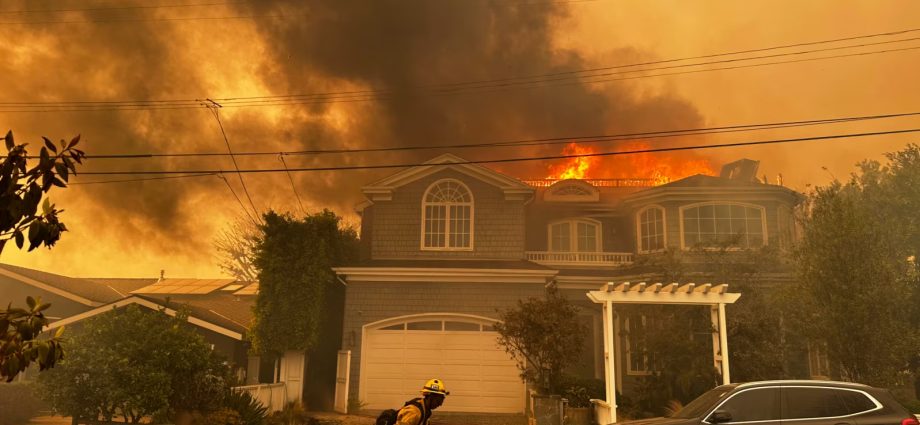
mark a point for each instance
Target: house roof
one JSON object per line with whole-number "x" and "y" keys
{"x": 227, "y": 309}
{"x": 81, "y": 290}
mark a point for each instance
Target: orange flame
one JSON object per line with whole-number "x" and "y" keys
{"x": 574, "y": 168}
{"x": 662, "y": 168}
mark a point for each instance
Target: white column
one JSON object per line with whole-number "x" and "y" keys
{"x": 723, "y": 342}
{"x": 610, "y": 359}
{"x": 716, "y": 339}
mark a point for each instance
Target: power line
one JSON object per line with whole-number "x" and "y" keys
{"x": 599, "y": 138}
{"x": 214, "y": 107}
{"x": 133, "y": 7}
{"x": 180, "y": 176}
{"x": 454, "y": 88}
{"x": 519, "y": 159}
{"x": 293, "y": 187}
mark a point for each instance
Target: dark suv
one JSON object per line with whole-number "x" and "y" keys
{"x": 799, "y": 402}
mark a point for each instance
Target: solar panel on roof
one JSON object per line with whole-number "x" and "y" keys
{"x": 185, "y": 286}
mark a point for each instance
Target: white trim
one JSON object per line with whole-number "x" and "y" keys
{"x": 763, "y": 220}
{"x": 664, "y": 229}
{"x": 471, "y": 203}
{"x": 573, "y": 233}
{"x": 148, "y": 304}
{"x": 732, "y": 395}
{"x": 453, "y": 275}
{"x": 46, "y": 287}
{"x": 753, "y": 192}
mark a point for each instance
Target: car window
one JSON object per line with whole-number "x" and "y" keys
{"x": 702, "y": 404}
{"x": 804, "y": 402}
{"x": 758, "y": 404}
{"x": 856, "y": 401}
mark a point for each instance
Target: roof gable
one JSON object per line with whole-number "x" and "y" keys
{"x": 514, "y": 189}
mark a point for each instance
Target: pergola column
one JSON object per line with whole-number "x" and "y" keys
{"x": 610, "y": 360}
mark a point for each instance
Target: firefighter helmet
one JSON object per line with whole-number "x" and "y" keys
{"x": 435, "y": 386}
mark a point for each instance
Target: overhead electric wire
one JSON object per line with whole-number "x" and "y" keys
{"x": 180, "y": 176}
{"x": 471, "y": 86}
{"x": 517, "y": 159}
{"x": 549, "y": 141}
{"x": 132, "y": 7}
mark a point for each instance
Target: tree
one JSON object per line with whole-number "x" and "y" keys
{"x": 21, "y": 192}
{"x": 543, "y": 336}
{"x": 236, "y": 245}
{"x": 857, "y": 274}
{"x": 300, "y": 302}
{"x": 134, "y": 363}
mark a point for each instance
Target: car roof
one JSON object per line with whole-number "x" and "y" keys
{"x": 804, "y": 383}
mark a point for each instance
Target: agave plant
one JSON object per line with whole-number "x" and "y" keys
{"x": 251, "y": 411}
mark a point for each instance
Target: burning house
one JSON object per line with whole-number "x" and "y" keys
{"x": 449, "y": 244}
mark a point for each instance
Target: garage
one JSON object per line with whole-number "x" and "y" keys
{"x": 399, "y": 355}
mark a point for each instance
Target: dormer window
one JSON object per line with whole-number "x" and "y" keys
{"x": 650, "y": 229}
{"x": 580, "y": 235}
{"x": 447, "y": 216}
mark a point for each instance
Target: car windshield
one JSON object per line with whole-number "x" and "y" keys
{"x": 702, "y": 404}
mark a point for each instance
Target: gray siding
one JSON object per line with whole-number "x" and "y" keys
{"x": 498, "y": 225}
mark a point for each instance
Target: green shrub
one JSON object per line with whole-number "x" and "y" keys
{"x": 17, "y": 403}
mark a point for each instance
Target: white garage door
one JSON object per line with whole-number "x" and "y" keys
{"x": 399, "y": 357}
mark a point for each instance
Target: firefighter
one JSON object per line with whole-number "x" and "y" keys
{"x": 418, "y": 411}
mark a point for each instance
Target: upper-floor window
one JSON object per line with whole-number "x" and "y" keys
{"x": 447, "y": 216}
{"x": 650, "y": 226}
{"x": 575, "y": 236}
{"x": 716, "y": 225}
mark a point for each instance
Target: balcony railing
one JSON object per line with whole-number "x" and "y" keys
{"x": 580, "y": 258}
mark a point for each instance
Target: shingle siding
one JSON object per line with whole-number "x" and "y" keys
{"x": 498, "y": 225}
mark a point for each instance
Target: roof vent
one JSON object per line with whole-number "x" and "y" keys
{"x": 743, "y": 169}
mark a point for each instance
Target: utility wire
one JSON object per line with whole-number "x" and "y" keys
{"x": 520, "y": 159}
{"x": 453, "y": 88}
{"x": 133, "y": 7}
{"x": 598, "y": 138}
{"x": 214, "y": 107}
{"x": 180, "y": 176}
{"x": 240, "y": 201}
{"x": 293, "y": 187}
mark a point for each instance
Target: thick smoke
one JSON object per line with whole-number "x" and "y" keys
{"x": 294, "y": 48}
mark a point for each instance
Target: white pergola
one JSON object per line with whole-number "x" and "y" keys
{"x": 715, "y": 296}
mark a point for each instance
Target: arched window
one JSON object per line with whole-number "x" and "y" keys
{"x": 447, "y": 216}
{"x": 575, "y": 236}
{"x": 721, "y": 225}
{"x": 650, "y": 229}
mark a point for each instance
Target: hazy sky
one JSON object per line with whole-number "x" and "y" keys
{"x": 213, "y": 49}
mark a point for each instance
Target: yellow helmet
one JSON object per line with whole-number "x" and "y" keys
{"x": 435, "y": 386}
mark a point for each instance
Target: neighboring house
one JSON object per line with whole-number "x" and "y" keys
{"x": 219, "y": 309}
{"x": 448, "y": 245}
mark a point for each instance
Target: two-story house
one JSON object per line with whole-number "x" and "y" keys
{"x": 450, "y": 244}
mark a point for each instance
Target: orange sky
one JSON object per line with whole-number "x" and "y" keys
{"x": 137, "y": 229}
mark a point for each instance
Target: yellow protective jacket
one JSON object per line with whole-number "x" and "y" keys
{"x": 413, "y": 414}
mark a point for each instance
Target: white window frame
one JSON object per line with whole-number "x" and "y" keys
{"x": 573, "y": 234}
{"x": 664, "y": 229}
{"x": 763, "y": 222}
{"x": 629, "y": 354}
{"x": 447, "y": 234}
